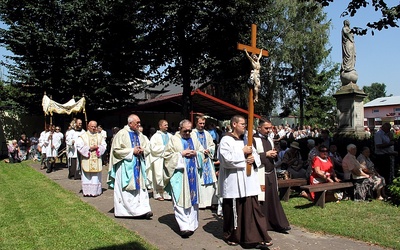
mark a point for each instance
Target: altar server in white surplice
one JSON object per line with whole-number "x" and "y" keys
{"x": 244, "y": 222}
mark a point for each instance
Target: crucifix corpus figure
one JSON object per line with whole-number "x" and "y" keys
{"x": 254, "y": 79}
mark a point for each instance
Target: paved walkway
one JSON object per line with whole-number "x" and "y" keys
{"x": 163, "y": 231}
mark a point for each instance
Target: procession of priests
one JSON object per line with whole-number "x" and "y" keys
{"x": 186, "y": 168}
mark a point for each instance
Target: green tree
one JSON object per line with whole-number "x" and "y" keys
{"x": 390, "y": 14}
{"x": 197, "y": 41}
{"x": 374, "y": 91}
{"x": 89, "y": 48}
{"x": 10, "y": 111}
{"x": 301, "y": 54}
{"x": 101, "y": 49}
{"x": 320, "y": 106}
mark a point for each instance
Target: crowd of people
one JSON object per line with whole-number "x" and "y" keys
{"x": 198, "y": 168}
{"x": 22, "y": 149}
{"x": 325, "y": 164}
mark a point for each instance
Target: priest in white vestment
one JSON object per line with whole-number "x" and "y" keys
{"x": 182, "y": 179}
{"x": 91, "y": 145}
{"x": 158, "y": 142}
{"x": 208, "y": 179}
{"x": 127, "y": 171}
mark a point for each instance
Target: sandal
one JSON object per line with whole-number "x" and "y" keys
{"x": 264, "y": 245}
{"x": 160, "y": 198}
{"x": 230, "y": 243}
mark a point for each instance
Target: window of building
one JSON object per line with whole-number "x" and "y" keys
{"x": 375, "y": 111}
{"x": 397, "y": 121}
{"x": 378, "y": 122}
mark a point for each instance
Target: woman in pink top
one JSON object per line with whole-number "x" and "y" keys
{"x": 322, "y": 168}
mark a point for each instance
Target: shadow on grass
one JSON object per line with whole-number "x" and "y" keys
{"x": 130, "y": 245}
{"x": 308, "y": 205}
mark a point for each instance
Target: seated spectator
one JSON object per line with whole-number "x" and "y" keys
{"x": 326, "y": 139}
{"x": 396, "y": 130}
{"x": 312, "y": 145}
{"x": 367, "y": 132}
{"x": 293, "y": 163}
{"x": 23, "y": 145}
{"x": 354, "y": 171}
{"x": 13, "y": 152}
{"x": 33, "y": 150}
{"x": 337, "y": 160}
{"x": 379, "y": 181}
{"x": 322, "y": 169}
{"x": 283, "y": 147}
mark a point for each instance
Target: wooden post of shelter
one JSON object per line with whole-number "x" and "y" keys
{"x": 84, "y": 112}
{"x": 45, "y": 121}
{"x": 250, "y": 121}
{"x": 51, "y": 114}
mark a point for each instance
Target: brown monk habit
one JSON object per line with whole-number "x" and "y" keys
{"x": 251, "y": 227}
{"x": 271, "y": 206}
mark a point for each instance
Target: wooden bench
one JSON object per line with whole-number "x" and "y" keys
{"x": 285, "y": 185}
{"x": 320, "y": 190}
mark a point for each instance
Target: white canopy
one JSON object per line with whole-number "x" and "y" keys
{"x": 50, "y": 106}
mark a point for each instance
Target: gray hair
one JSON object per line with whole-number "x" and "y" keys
{"x": 351, "y": 146}
{"x": 311, "y": 142}
{"x": 183, "y": 122}
{"x": 131, "y": 118}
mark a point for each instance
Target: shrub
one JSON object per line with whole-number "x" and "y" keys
{"x": 394, "y": 189}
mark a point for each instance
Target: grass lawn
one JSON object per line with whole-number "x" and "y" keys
{"x": 375, "y": 222}
{"x": 36, "y": 213}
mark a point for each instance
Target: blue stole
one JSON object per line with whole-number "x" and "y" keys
{"x": 191, "y": 170}
{"x": 207, "y": 173}
{"x": 165, "y": 138}
{"x": 136, "y": 169}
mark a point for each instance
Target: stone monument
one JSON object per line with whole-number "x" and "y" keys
{"x": 349, "y": 98}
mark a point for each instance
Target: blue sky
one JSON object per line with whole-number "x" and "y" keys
{"x": 377, "y": 56}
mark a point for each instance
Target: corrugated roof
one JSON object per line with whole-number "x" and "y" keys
{"x": 201, "y": 103}
{"x": 383, "y": 101}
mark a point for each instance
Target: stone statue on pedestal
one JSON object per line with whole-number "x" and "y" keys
{"x": 348, "y": 73}
{"x": 349, "y": 98}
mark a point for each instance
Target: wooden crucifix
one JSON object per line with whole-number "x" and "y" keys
{"x": 254, "y": 50}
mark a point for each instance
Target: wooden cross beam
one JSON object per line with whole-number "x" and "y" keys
{"x": 253, "y": 47}
{"x": 250, "y": 121}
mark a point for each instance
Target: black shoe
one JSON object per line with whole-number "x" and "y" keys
{"x": 283, "y": 230}
{"x": 186, "y": 233}
{"x": 148, "y": 215}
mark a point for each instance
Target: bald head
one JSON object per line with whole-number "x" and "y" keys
{"x": 92, "y": 127}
